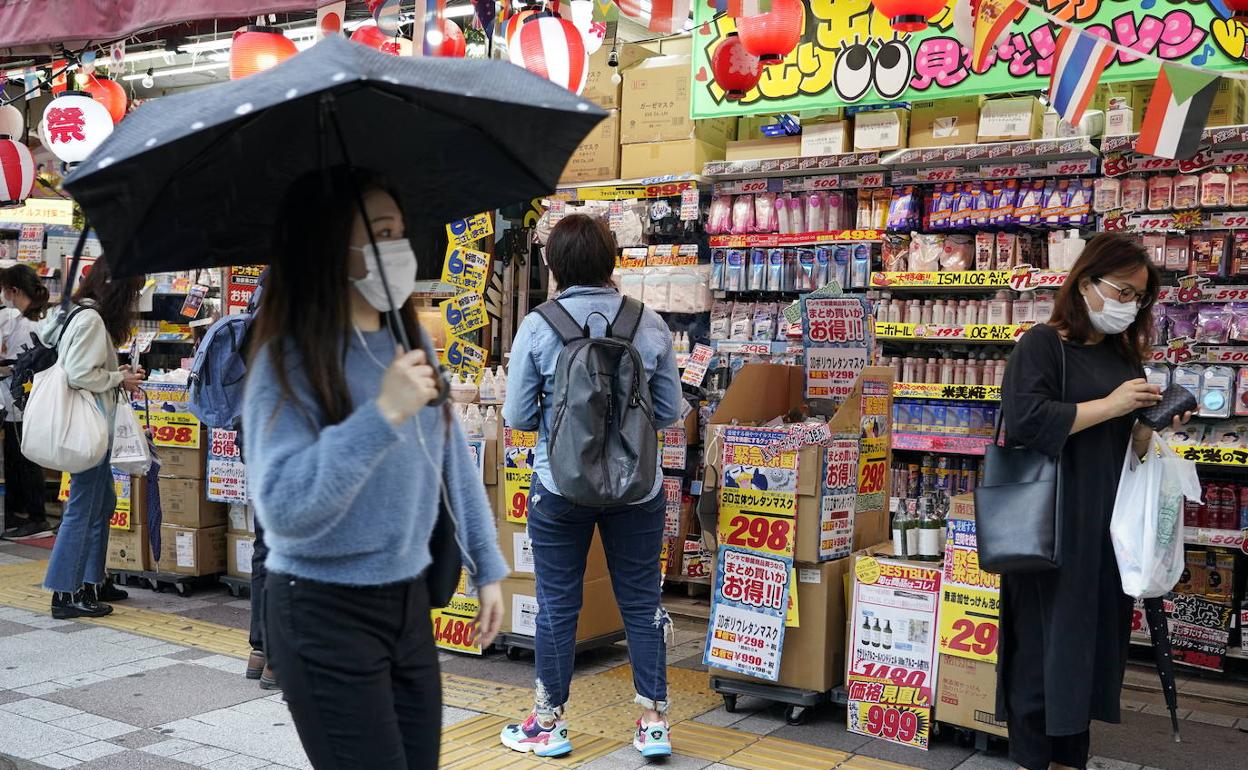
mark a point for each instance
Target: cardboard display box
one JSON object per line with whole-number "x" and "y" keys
{"x": 513, "y": 539}
{"x": 825, "y": 138}
{"x": 966, "y": 695}
{"x": 687, "y": 156}
{"x": 655, "y": 106}
{"x": 242, "y": 520}
{"x": 238, "y": 550}
{"x": 881, "y": 130}
{"x": 1011, "y": 120}
{"x": 192, "y": 551}
{"x": 944, "y": 122}
{"x": 183, "y": 504}
{"x": 599, "y": 613}
{"x": 130, "y": 549}
{"x": 598, "y": 157}
{"x": 764, "y": 149}
{"x": 185, "y": 463}
{"x": 599, "y": 88}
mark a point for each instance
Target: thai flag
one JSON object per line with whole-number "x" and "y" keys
{"x": 1077, "y": 65}
{"x": 665, "y": 17}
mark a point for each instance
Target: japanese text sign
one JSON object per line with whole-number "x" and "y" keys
{"x": 463, "y": 313}
{"x": 519, "y": 454}
{"x": 466, "y": 269}
{"x": 226, "y": 476}
{"x": 464, "y": 232}
{"x": 749, "y": 607}
{"x": 970, "y": 598}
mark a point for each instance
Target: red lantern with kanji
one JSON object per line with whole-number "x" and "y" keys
{"x": 736, "y": 70}
{"x": 552, "y": 47}
{"x": 773, "y": 35}
{"x": 910, "y": 15}
{"x": 452, "y": 44}
{"x": 73, "y": 125}
{"x": 256, "y": 49}
{"x": 108, "y": 93}
{"x": 17, "y": 172}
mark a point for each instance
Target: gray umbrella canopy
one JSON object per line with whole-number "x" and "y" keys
{"x": 194, "y": 180}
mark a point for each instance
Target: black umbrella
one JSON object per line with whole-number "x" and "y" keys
{"x": 1159, "y": 632}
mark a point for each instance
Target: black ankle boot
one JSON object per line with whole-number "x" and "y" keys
{"x": 77, "y": 605}
{"x": 106, "y": 591}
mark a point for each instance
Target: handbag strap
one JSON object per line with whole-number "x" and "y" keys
{"x": 1061, "y": 349}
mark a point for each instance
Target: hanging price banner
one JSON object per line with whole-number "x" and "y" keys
{"x": 466, "y": 269}
{"x": 464, "y": 358}
{"x": 519, "y": 453}
{"x": 464, "y": 232}
{"x": 463, "y": 313}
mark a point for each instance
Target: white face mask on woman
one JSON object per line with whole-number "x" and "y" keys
{"x": 399, "y": 261}
{"x": 1114, "y": 317}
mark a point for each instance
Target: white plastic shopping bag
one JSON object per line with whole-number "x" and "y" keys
{"x": 63, "y": 427}
{"x": 1147, "y": 524}
{"x": 131, "y": 453}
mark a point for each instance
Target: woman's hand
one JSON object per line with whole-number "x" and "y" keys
{"x": 1143, "y": 433}
{"x": 489, "y": 618}
{"x": 408, "y": 385}
{"x": 132, "y": 380}
{"x": 1130, "y": 396}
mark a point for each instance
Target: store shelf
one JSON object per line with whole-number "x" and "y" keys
{"x": 1003, "y": 160}
{"x": 1181, "y": 351}
{"x": 1176, "y": 221}
{"x": 625, "y": 189}
{"x": 1192, "y": 290}
{"x": 1214, "y": 455}
{"x": 1000, "y": 334}
{"x": 778, "y": 240}
{"x": 850, "y": 163}
{"x": 938, "y": 392}
{"x": 923, "y": 442}
{"x": 1021, "y": 279}
{"x": 1216, "y": 138}
{"x": 1227, "y": 538}
{"x": 775, "y": 348}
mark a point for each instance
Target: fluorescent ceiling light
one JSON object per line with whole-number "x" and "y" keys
{"x": 193, "y": 68}
{"x": 223, "y": 44}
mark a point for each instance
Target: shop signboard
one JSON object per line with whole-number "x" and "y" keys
{"x": 749, "y": 606}
{"x": 465, "y": 359}
{"x": 838, "y": 499}
{"x": 875, "y": 439}
{"x": 121, "y": 487}
{"x": 519, "y": 453}
{"x": 758, "y": 492}
{"x": 970, "y": 598}
{"x": 834, "y": 334}
{"x": 454, "y": 626}
{"x": 240, "y": 284}
{"x": 893, "y": 650}
{"x": 849, "y": 55}
{"x": 227, "y": 476}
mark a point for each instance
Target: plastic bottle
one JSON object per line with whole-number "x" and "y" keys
{"x": 490, "y": 424}
{"x": 487, "y": 393}
{"x": 500, "y": 384}
{"x": 931, "y": 371}
{"x": 474, "y": 425}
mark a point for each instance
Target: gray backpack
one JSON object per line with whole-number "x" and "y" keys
{"x": 603, "y": 445}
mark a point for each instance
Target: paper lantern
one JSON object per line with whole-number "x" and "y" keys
{"x": 909, "y": 15}
{"x": 74, "y": 124}
{"x": 371, "y": 36}
{"x": 449, "y": 42}
{"x": 1238, "y": 9}
{"x": 256, "y": 49}
{"x": 109, "y": 93}
{"x": 512, "y": 25}
{"x": 772, "y": 35}
{"x": 736, "y": 70}
{"x": 17, "y": 173}
{"x": 12, "y": 122}
{"x": 552, "y": 47}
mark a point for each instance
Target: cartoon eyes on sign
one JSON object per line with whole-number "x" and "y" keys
{"x": 857, "y": 69}
{"x": 746, "y": 477}
{"x": 519, "y": 457}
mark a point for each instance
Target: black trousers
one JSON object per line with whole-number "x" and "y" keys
{"x": 359, "y": 670}
{"x": 259, "y": 575}
{"x": 24, "y": 491}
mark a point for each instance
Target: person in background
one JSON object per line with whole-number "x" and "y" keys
{"x": 26, "y": 301}
{"x": 581, "y": 254}
{"x": 87, "y": 351}
{"x": 348, "y": 461}
{"x": 258, "y": 666}
{"x": 1065, "y": 631}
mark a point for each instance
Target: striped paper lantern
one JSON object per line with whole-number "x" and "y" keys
{"x": 551, "y": 47}
{"x": 666, "y": 17}
{"x": 17, "y": 173}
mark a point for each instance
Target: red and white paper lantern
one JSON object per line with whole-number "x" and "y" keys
{"x": 12, "y": 122}
{"x": 73, "y": 125}
{"x": 17, "y": 173}
{"x": 552, "y": 47}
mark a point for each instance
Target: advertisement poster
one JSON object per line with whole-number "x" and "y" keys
{"x": 1199, "y": 630}
{"x": 748, "y": 611}
{"x": 240, "y": 285}
{"x": 757, "y": 495}
{"x": 849, "y": 54}
{"x": 695, "y": 367}
{"x": 465, "y": 232}
{"x": 838, "y": 498}
{"x": 465, "y": 359}
{"x": 453, "y": 627}
{"x": 893, "y": 651}
{"x": 172, "y": 423}
{"x": 466, "y": 269}
{"x": 671, "y": 517}
{"x": 696, "y": 560}
{"x": 834, "y": 333}
{"x": 970, "y": 598}
{"x": 675, "y": 447}
{"x": 227, "y": 476}
{"x": 463, "y": 313}
{"x": 875, "y": 437}
{"x": 519, "y": 449}
{"x": 121, "y": 487}
{"x": 30, "y": 244}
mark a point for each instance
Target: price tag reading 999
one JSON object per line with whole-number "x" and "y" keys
{"x": 463, "y": 313}
{"x": 466, "y": 269}
{"x": 464, "y": 358}
{"x": 463, "y": 232}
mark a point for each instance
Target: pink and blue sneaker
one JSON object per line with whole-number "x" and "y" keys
{"x": 530, "y": 735}
{"x": 654, "y": 740}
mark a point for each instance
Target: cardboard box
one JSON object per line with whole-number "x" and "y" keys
{"x": 238, "y": 550}
{"x": 814, "y": 653}
{"x": 825, "y": 138}
{"x": 655, "y": 106}
{"x": 687, "y": 156}
{"x": 185, "y": 463}
{"x": 192, "y": 551}
{"x": 764, "y": 149}
{"x": 513, "y": 539}
{"x": 750, "y": 126}
{"x": 598, "y": 157}
{"x": 241, "y": 520}
{"x": 183, "y": 504}
{"x": 599, "y": 88}
{"x": 130, "y": 549}
{"x": 1119, "y": 121}
{"x": 1091, "y": 124}
{"x": 966, "y": 695}
{"x": 599, "y": 613}
{"x": 881, "y": 130}
{"x": 1010, "y": 120}
{"x": 944, "y": 122}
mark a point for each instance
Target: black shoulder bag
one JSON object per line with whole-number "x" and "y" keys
{"x": 1018, "y": 520}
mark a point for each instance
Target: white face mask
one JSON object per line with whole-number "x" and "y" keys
{"x": 399, "y": 262}
{"x": 1114, "y": 317}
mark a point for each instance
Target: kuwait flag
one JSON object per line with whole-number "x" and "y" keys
{"x": 1077, "y": 66}
{"x": 1177, "y": 113}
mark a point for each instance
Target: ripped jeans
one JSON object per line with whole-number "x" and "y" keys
{"x": 632, "y": 537}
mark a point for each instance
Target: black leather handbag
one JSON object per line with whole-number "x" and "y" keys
{"x": 1018, "y": 521}
{"x": 442, "y": 577}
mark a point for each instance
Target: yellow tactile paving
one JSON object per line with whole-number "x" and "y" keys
{"x": 478, "y": 738}
{"x": 709, "y": 742}
{"x": 776, "y": 754}
{"x": 868, "y": 763}
{"x": 478, "y": 694}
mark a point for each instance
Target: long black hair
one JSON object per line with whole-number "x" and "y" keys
{"x": 305, "y": 310}
{"x": 113, "y": 299}
{"x": 24, "y": 279}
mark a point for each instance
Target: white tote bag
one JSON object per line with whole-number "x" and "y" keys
{"x": 63, "y": 427}
{"x": 1147, "y": 525}
{"x": 131, "y": 454}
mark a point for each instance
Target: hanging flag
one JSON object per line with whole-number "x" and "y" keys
{"x": 1177, "y": 113}
{"x": 1077, "y": 65}
{"x": 485, "y": 12}
{"x": 963, "y": 22}
{"x": 738, "y": 8}
{"x": 992, "y": 20}
{"x": 329, "y": 18}
{"x": 665, "y": 17}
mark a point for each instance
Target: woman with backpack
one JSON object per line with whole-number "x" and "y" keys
{"x": 348, "y": 459}
{"x": 26, "y": 301}
{"x": 581, "y": 254}
{"x": 86, "y": 336}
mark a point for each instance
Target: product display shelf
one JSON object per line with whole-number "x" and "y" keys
{"x": 1194, "y": 290}
{"x": 1214, "y": 138}
{"x": 1214, "y": 455}
{"x": 937, "y": 391}
{"x": 1182, "y": 351}
{"x": 1224, "y": 538}
{"x": 1076, "y": 156}
{"x": 950, "y": 444}
{"x": 626, "y": 189}
{"x": 773, "y": 348}
{"x": 998, "y": 334}
{"x": 848, "y": 169}
{"x": 1175, "y": 221}
{"x": 781, "y": 240}
{"x": 1018, "y": 279}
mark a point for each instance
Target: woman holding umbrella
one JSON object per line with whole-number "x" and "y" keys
{"x": 350, "y": 461}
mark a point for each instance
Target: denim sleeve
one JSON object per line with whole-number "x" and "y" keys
{"x": 521, "y": 408}
{"x": 474, "y": 518}
{"x": 665, "y": 392}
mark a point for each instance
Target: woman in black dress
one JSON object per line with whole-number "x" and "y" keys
{"x": 1064, "y": 633}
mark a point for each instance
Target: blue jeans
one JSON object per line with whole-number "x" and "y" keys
{"x": 632, "y": 537}
{"x": 82, "y": 541}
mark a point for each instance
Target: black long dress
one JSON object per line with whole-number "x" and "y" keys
{"x": 1065, "y": 633}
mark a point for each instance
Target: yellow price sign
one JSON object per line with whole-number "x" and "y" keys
{"x": 121, "y": 488}
{"x": 466, "y": 269}
{"x": 519, "y": 452}
{"x": 176, "y": 430}
{"x": 454, "y": 626}
{"x": 463, "y": 313}
{"x": 464, "y": 358}
{"x": 969, "y": 622}
{"x": 792, "y": 618}
{"x": 757, "y": 531}
{"x": 463, "y": 232}
{"x": 907, "y": 725}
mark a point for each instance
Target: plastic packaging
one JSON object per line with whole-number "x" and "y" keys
{"x": 1239, "y": 188}
{"x": 784, "y": 222}
{"x": 1107, "y": 194}
{"x": 816, "y": 212}
{"x": 742, "y": 321}
{"x": 1188, "y": 190}
{"x": 775, "y": 271}
{"x": 860, "y": 273}
{"x": 958, "y": 253}
{"x": 743, "y": 214}
{"x": 718, "y": 279}
{"x": 1216, "y": 384}
{"x": 765, "y": 213}
{"x": 1134, "y": 194}
{"x": 721, "y": 316}
{"x": 735, "y": 270}
{"x": 764, "y": 322}
{"x": 1161, "y": 193}
{"x": 1215, "y": 191}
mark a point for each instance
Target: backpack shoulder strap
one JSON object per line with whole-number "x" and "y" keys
{"x": 627, "y": 320}
{"x": 560, "y": 320}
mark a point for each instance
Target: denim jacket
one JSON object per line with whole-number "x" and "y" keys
{"x": 536, "y": 351}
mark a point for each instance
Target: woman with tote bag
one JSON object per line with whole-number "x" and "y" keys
{"x": 87, "y": 352}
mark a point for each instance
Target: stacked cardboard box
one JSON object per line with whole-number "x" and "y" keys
{"x": 656, "y": 133}
{"x": 598, "y": 157}
{"x": 128, "y": 548}
{"x": 192, "y": 528}
{"x": 240, "y": 541}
